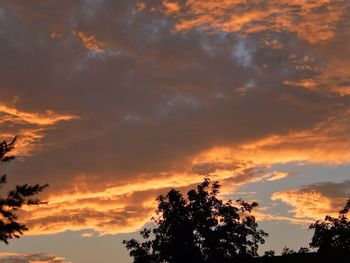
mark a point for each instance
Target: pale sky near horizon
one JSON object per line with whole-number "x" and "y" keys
{"x": 115, "y": 102}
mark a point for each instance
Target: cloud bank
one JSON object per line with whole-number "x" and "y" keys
{"x": 115, "y": 102}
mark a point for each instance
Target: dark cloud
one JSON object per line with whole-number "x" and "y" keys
{"x": 330, "y": 189}
{"x": 152, "y": 101}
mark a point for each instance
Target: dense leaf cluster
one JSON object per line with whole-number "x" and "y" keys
{"x": 199, "y": 228}
{"x": 332, "y": 235}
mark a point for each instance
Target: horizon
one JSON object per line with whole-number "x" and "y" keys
{"x": 117, "y": 102}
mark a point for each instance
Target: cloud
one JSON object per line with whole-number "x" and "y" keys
{"x": 304, "y": 83}
{"x": 315, "y": 201}
{"x": 49, "y": 118}
{"x": 29, "y": 127}
{"x": 170, "y": 7}
{"x": 198, "y": 88}
{"x": 140, "y": 6}
{"x": 118, "y": 209}
{"x": 243, "y": 54}
{"x": 276, "y": 175}
{"x": 90, "y": 42}
{"x": 311, "y": 146}
{"x": 30, "y": 258}
{"x": 300, "y": 17}
{"x": 87, "y": 235}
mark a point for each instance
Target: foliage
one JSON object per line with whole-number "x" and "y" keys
{"x": 14, "y": 200}
{"x": 199, "y": 228}
{"x": 332, "y": 235}
{"x": 269, "y": 253}
{"x": 287, "y": 251}
{"x": 303, "y": 250}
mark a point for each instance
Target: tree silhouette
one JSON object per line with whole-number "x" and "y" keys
{"x": 332, "y": 235}
{"x": 269, "y": 253}
{"x": 199, "y": 228}
{"x": 287, "y": 251}
{"x": 15, "y": 199}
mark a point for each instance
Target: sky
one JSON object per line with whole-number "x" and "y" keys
{"x": 116, "y": 102}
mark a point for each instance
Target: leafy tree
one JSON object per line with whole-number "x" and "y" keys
{"x": 287, "y": 251}
{"x": 15, "y": 199}
{"x": 332, "y": 235}
{"x": 303, "y": 250}
{"x": 199, "y": 228}
{"x": 269, "y": 253}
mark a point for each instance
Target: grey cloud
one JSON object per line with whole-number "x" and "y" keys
{"x": 330, "y": 189}
{"x": 162, "y": 99}
{"x": 147, "y": 81}
{"x": 209, "y": 168}
{"x": 243, "y": 54}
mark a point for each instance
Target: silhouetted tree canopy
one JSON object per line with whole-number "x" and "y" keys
{"x": 287, "y": 251}
{"x": 332, "y": 235}
{"x": 15, "y": 199}
{"x": 199, "y": 228}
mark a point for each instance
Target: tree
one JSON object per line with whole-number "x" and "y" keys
{"x": 269, "y": 253}
{"x": 332, "y": 235}
{"x": 199, "y": 228}
{"x": 287, "y": 251}
{"x": 15, "y": 199}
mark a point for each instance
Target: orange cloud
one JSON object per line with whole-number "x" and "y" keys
{"x": 56, "y": 34}
{"x": 140, "y": 6}
{"x": 90, "y": 42}
{"x": 276, "y": 175}
{"x": 305, "y": 83}
{"x": 312, "y": 21}
{"x": 311, "y": 204}
{"x": 315, "y": 201}
{"x": 31, "y": 258}
{"x": 272, "y": 43}
{"x": 107, "y": 215}
{"x": 49, "y": 118}
{"x": 170, "y": 7}
{"x": 327, "y": 142}
{"x": 335, "y": 78}
{"x": 126, "y": 206}
{"x": 330, "y": 78}
{"x": 117, "y": 209}
{"x": 31, "y": 126}
{"x": 222, "y": 135}
{"x": 263, "y": 216}
{"x": 87, "y": 235}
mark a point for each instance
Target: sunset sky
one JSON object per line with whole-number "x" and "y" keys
{"x": 116, "y": 101}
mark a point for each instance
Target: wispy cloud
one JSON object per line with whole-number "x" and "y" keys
{"x": 29, "y": 127}
{"x": 312, "y": 21}
{"x": 90, "y": 42}
{"x": 48, "y": 118}
{"x": 30, "y": 258}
